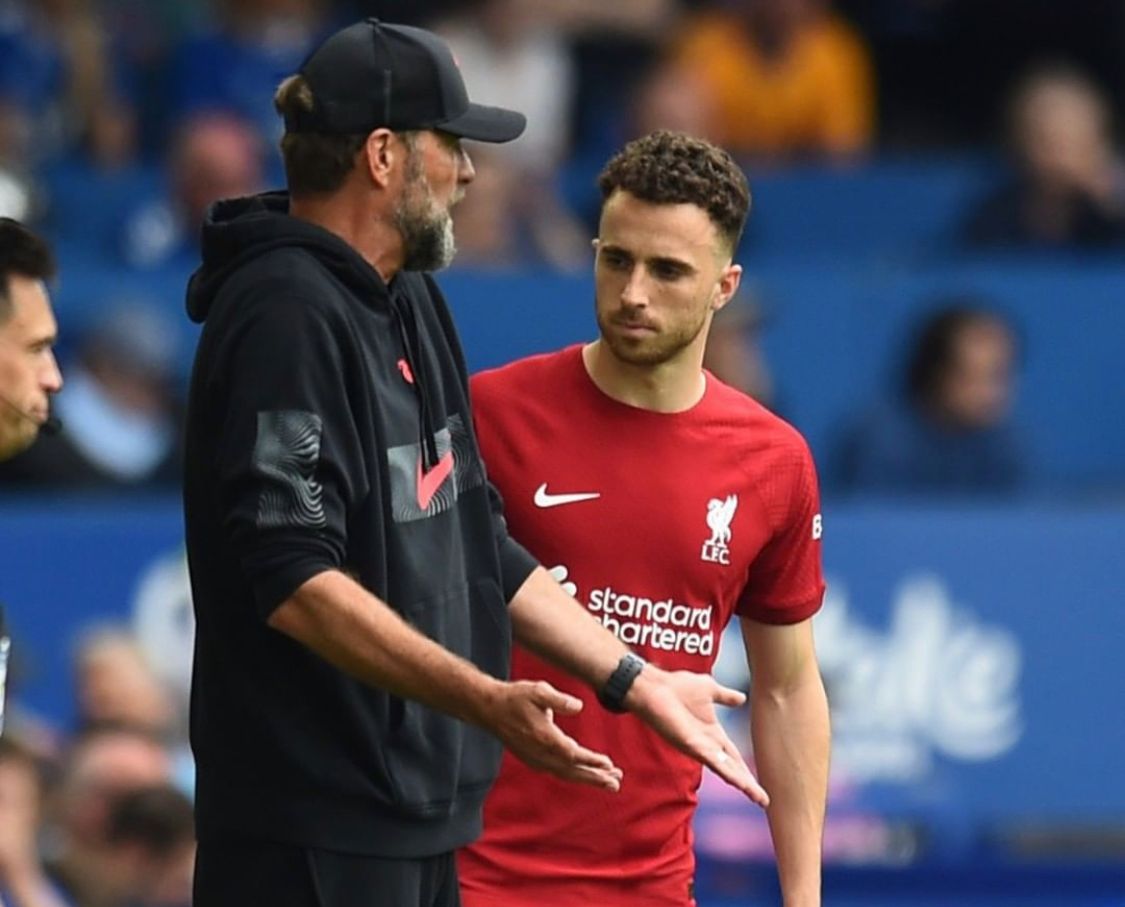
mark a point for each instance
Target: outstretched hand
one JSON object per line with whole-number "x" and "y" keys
{"x": 680, "y": 706}
{"x": 523, "y": 718}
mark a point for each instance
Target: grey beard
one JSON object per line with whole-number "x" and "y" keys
{"x": 427, "y": 240}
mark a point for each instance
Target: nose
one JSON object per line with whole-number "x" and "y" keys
{"x": 52, "y": 380}
{"x": 633, "y": 293}
{"x": 466, "y": 173}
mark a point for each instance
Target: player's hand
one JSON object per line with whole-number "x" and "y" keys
{"x": 680, "y": 706}
{"x": 523, "y": 717}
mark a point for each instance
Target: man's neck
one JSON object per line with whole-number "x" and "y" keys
{"x": 670, "y": 387}
{"x": 375, "y": 238}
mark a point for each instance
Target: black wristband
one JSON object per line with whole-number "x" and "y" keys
{"x": 612, "y": 695}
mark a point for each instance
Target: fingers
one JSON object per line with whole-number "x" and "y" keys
{"x": 727, "y": 696}
{"x": 572, "y": 753}
{"x": 726, "y": 761}
{"x": 571, "y": 761}
{"x": 547, "y": 697}
{"x": 588, "y": 758}
{"x": 608, "y": 781}
{"x": 545, "y": 746}
{"x": 587, "y": 766}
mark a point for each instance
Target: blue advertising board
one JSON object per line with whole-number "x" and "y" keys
{"x": 973, "y": 658}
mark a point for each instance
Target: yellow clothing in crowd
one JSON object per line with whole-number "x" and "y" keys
{"x": 818, "y": 97}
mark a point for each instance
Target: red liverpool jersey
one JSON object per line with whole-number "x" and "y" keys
{"x": 666, "y": 526}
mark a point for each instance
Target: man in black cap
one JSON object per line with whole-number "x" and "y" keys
{"x": 354, "y": 584}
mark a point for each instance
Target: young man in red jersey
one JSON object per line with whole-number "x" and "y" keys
{"x": 669, "y": 504}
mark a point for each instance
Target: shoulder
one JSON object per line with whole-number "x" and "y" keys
{"x": 772, "y": 457}
{"x": 286, "y": 279}
{"x": 534, "y": 376}
{"x": 754, "y": 425}
{"x": 280, "y": 303}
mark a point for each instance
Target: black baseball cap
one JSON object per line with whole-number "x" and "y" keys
{"x": 373, "y": 74}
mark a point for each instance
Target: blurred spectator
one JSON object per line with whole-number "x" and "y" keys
{"x": 1068, "y": 185}
{"x": 102, "y": 767}
{"x": 512, "y": 56}
{"x": 521, "y": 54}
{"x": 212, "y": 156}
{"x": 486, "y": 221}
{"x": 664, "y": 95}
{"x": 23, "y": 881}
{"x": 788, "y": 78}
{"x": 611, "y": 45}
{"x": 149, "y": 850}
{"x": 61, "y": 85}
{"x": 117, "y": 687}
{"x": 734, "y": 353}
{"x": 950, "y": 431}
{"x": 120, "y": 415}
{"x": 237, "y": 66}
{"x": 674, "y": 97}
{"x": 506, "y": 222}
{"x": 944, "y": 65}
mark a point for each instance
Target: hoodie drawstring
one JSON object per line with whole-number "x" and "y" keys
{"x": 408, "y": 333}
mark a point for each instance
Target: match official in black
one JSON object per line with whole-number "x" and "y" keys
{"x": 355, "y": 587}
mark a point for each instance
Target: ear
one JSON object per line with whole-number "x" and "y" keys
{"x": 380, "y": 153}
{"x": 729, "y": 280}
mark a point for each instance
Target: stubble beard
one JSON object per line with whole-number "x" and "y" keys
{"x": 653, "y": 349}
{"x": 425, "y": 226}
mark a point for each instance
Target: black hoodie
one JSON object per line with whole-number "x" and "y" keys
{"x": 329, "y": 429}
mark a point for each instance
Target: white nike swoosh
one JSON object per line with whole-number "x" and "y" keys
{"x": 542, "y": 499}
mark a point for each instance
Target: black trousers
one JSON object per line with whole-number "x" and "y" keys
{"x": 251, "y": 873}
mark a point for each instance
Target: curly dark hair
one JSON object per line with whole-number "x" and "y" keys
{"x": 673, "y": 168}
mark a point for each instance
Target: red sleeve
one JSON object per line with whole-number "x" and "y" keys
{"x": 786, "y": 581}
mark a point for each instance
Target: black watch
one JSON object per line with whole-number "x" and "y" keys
{"x": 612, "y": 695}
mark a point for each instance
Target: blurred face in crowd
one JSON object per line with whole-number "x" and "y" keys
{"x": 437, "y": 172}
{"x": 1062, "y": 133}
{"x": 976, "y": 390}
{"x": 780, "y": 20}
{"x": 486, "y": 221}
{"x": 100, "y": 769}
{"x": 216, "y": 157}
{"x": 138, "y": 873}
{"x": 506, "y": 21}
{"x": 676, "y": 98}
{"x": 660, "y": 272}
{"x": 29, "y": 373}
{"x": 116, "y": 686}
{"x": 734, "y": 356}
